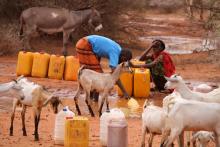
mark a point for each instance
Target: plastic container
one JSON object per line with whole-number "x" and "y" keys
{"x": 141, "y": 82}
{"x": 127, "y": 81}
{"x": 40, "y": 65}
{"x": 71, "y": 68}
{"x": 117, "y": 134}
{"x": 59, "y": 129}
{"x": 114, "y": 115}
{"x": 56, "y": 67}
{"x": 24, "y": 64}
{"x": 77, "y": 132}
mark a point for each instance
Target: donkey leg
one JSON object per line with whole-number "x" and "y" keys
{"x": 15, "y": 102}
{"x": 66, "y": 36}
{"x": 23, "y": 120}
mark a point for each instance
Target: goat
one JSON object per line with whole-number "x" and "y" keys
{"x": 203, "y": 137}
{"x": 153, "y": 121}
{"x": 34, "y": 96}
{"x": 181, "y": 118}
{"x": 89, "y": 80}
{"x": 176, "y": 82}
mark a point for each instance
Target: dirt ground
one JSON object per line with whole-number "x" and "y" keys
{"x": 195, "y": 68}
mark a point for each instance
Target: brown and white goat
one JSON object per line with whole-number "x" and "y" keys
{"x": 35, "y": 96}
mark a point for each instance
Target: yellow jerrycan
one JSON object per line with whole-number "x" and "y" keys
{"x": 40, "y": 65}
{"x": 71, "y": 68}
{"x": 77, "y": 132}
{"x": 56, "y": 67}
{"x": 24, "y": 64}
{"x": 141, "y": 82}
{"x": 127, "y": 81}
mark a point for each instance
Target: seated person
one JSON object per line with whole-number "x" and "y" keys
{"x": 160, "y": 64}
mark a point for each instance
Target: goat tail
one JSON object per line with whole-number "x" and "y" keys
{"x": 80, "y": 70}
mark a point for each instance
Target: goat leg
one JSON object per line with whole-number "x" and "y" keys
{"x": 15, "y": 102}
{"x": 90, "y": 109}
{"x": 23, "y": 120}
{"x": 36, "y": 122}
{"x": 77, "y": 106}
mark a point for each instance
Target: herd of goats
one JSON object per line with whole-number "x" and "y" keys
{"x": 183, "y": 110}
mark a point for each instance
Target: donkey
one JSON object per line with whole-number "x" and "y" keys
{"x": 53, "y": 20}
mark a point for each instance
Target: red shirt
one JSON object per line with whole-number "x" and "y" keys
{"x": 169, "y": 68}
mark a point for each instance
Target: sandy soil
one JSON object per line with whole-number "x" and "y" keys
{"x": 195, "y": 68}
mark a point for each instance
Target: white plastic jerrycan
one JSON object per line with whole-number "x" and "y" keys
{"x": 60, "y": 125}
{"x": 114, "y": 115}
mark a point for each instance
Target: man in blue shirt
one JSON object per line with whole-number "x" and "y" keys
{"x": 92, "y": 48}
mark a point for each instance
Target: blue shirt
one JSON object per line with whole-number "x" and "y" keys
{"x": 105, "y": 47}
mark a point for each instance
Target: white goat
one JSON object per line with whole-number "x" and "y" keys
{"x": 153, "y": 121}
{"x": 34, "y": 96}
{"x": 192, "y": 115}
{"x": 89, "y": 80}
{"x": 176, "y": 82}
{"x": 203, "y": 138}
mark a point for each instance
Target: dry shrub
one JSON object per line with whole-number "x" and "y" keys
{"x": 9, "y": 39}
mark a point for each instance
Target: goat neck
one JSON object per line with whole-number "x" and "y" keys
{"x": 117, "y": 72}
{"x": 184, "y": 91}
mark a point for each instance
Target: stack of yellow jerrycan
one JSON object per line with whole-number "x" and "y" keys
{"x": 127, "y": 81}
{"x": 71, "y": 68}
{"x": 77, "y": 132}
{"x": 24, "y": 64}
{"x": 141, "y": 85}
{"x": 56, "y": 67}
{"x": 40, "y": 65}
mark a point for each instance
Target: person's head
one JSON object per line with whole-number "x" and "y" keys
{"x": 158, "y": 46}
{"x": 125, "y": 55}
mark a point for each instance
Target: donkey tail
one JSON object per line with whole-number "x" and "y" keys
{"x": 21, "y": 25}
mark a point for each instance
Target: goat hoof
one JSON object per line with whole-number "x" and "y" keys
{"x": 24, "y": 134}
{"x": 11, "y": 134}
{"x": 108, "y": 111}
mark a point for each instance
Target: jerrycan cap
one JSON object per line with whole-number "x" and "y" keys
{"x": 65, "y": 108}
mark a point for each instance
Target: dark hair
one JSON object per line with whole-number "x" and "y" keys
{"x": 158, "y": 44}
{"x": 125, "y": 55}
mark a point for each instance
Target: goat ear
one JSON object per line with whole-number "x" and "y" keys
{"x": 212, "y": 136}
{"x": 20, "y": 77}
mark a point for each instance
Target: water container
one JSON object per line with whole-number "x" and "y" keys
{"x": 137, "y": 62}
{"x": 117, "y": 134}
{"x": 40, "y": 65}
{"x": 127, "y": 81}
{"x": 77, "y": 132}
{"x": 71, "y": 68}
{"x": 141, "y": 82}
{"x": 24, "y": 64}
{"x": 56, "y": 67}
{"x": 59, "y": 130}
{"x": 114, "y": 114}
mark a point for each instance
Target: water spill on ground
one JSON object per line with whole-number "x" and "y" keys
{"x": 183, "y": 45}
